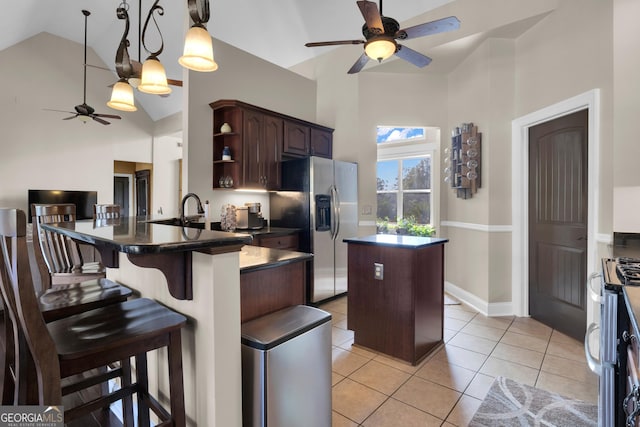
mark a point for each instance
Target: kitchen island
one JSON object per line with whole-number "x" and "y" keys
{"x": 396, "y": 294}
{"x": 197, "y": 273}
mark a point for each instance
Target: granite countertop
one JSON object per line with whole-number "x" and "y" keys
{"x": 253, "y": 258}
{"x": 397, "y": 240}
{"x": 133, "y": 236}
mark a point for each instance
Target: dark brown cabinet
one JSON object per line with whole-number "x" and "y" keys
{"x": 287, "y": 242}
{"x": 321, "y": 143}
{"x": 258, "y": 140}
{"x": 296, "y": 139}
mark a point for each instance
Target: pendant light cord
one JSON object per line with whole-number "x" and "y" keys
{"x": 86, "y": 13}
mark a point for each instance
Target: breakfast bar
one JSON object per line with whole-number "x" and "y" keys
{"x": 197, "y": 273}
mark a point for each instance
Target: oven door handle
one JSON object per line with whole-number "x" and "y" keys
{"x": 594, "y": 363}
{"x": 594, "y": 292}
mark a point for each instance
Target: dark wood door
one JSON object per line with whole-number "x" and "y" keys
{"x": 143, "y": 187}
{"x": 253, "y": 131}
{"x": 271, "y": 149}
{"x": 321, "y": 143}
{"x": 558, "y": 196}
{"x": 121, "y": 193}
{"x": 296, "y": 139}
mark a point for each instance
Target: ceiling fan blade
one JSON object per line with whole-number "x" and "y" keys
{"x": 428, "y": 28}
{"x": 410, "y": 55}
{"x": 371, "y": 15}
{"x": 108, "y": 116}
{"x": 359, "y": 65}
{"x": 334, "y": 43}
{"x": 69, "y": 118}
{"x": 173, "y": 82}
{"x": 99, "y": 120}
{"x": 59, "y": 111}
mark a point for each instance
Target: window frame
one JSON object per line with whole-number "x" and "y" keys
{"x": 412, "y": 149}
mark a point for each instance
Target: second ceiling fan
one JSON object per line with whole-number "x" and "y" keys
{"x": 381, "y": 32}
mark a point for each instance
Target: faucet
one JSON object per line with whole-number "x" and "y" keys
{"x": 183, "y": 218}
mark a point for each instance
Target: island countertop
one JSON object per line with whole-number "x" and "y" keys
{"x": 397, "y": 240}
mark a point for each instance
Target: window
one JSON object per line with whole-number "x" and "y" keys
{"x": 404, "y": 170}
{"x": 404, "y": 189}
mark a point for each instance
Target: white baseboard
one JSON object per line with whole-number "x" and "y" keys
{"x": 482, "y": 306}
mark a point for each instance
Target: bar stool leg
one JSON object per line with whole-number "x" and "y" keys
{"x": 143, "y": 391}
{"x": 127, "y": 403}
{"x": 176, "y": 384}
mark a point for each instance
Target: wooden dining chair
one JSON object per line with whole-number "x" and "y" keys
{"x": 48, "y": 353}
{"x": 59, "y": 258}
{"x": 106, "y": 211}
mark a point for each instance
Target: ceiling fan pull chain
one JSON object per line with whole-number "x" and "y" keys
{"x": 160, "y": 10}
{"x": 123, "y": 61}
{"x": 194, "y": 13}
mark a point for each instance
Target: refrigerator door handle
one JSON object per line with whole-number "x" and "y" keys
{"x": 335, "y": 200}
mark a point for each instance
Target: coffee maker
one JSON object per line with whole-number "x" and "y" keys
{"x": 249, "y": 217}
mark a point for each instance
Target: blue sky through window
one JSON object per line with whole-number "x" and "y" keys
{"x": 390, "y": 134}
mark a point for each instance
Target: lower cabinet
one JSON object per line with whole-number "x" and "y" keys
{"x": 288, "y": 242}
{"x": 395, "y": 300}
{"x": 267, "y": 290}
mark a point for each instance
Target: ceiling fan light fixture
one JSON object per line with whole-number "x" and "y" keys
{"x": 198, "y": 51}
{"x": 83, "y": 118}
{"x": 122, "y": 97}
{"x": 154, "y": 78}
{"x": 380, "y": 48}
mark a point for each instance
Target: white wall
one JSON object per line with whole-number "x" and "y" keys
{"x": 42, "y": 151}
{"x": 249, "y": 79}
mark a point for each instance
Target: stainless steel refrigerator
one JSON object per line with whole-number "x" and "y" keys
{"x": 319, "y": 196}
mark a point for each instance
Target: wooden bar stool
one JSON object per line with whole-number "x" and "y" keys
{"x": 59, "y": 258}
{"x": 83, "y": 342}
{"x": 106, "y": 211}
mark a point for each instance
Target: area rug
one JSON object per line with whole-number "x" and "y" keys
{"x": 509, "y": 403}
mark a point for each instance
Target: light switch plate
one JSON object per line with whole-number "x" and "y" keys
{"x": 378, "y": 271}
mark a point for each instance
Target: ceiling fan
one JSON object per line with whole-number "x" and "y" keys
{"x": 380, "y": 33}
{"x": 84, "y": 111}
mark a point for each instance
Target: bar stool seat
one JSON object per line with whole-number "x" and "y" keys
{"x": 48, "y": 353}
{"x": 73, "y": 298}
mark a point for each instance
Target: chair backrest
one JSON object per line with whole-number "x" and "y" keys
{"x": 106, "y": 211}
{"x": 57, "y": 253}
{"x": 16, "y": 286}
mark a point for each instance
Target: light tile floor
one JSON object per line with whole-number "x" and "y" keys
{"x": 373, "y": 390}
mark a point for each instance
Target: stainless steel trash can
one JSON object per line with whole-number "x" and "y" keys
{"x": 286, "y": 369}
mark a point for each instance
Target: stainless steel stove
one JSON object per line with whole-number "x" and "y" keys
{"x": 616, "y": 273}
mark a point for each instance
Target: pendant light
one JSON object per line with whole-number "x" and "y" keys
{"x": 154, "y": 77}
{"x": 122, "y": 92}
{"x": 198, "y": 47}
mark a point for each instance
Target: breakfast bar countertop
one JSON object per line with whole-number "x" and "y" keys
{"x": 253, "y": 258}
{"x": 133, "y": 235}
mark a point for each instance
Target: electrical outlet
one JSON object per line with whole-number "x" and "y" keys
{"x": 378, "y": 271}
{"x": 367, "y": 210}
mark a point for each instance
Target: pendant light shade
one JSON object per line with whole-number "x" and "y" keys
{"x": 380, "y": 48}
{"x": 198, "y": 50}
{"x": 154, "y": 78}
{"x": 122, "y": 97}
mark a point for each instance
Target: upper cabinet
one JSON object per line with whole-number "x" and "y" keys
{"x": 258, "y": 140}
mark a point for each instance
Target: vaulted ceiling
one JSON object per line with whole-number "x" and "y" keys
{"x": 274, "y": 30}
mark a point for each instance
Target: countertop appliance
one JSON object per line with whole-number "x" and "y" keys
{"x": 320, "y": 197}
{"x": 619, "y": 270}
{"x": 249, "y": 217}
